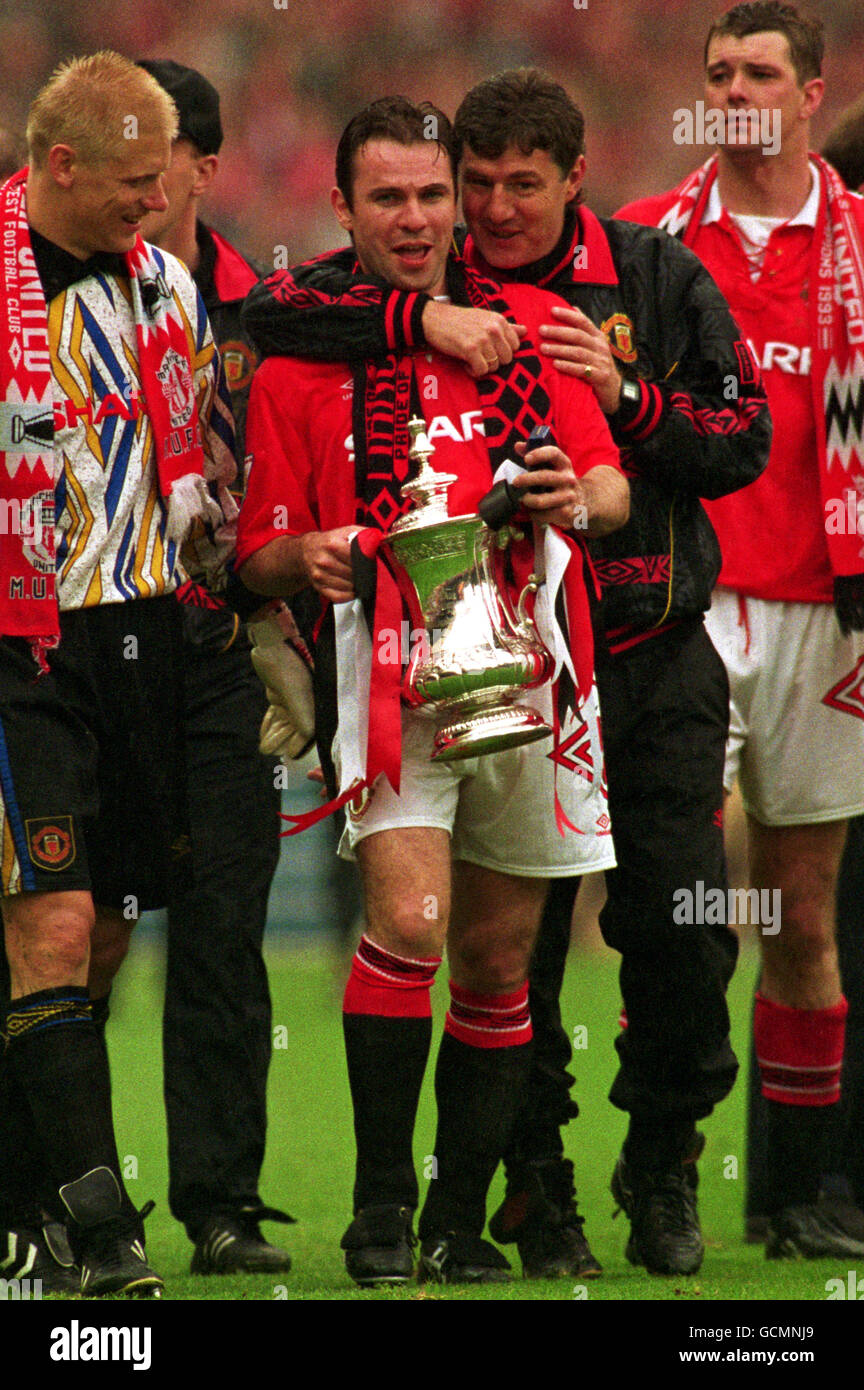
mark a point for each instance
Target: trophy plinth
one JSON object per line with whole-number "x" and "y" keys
{"x": 477, "y": 654}
{"x": 482, "y": 732}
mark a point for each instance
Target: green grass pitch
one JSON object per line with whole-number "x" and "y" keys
{"x": 308, "y": 1169}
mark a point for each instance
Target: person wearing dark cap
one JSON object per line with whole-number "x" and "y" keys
{"x": 217, "y": 1024}
{"x": 221, "y": 273}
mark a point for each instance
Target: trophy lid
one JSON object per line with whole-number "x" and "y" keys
{"x": 427, "y": 489}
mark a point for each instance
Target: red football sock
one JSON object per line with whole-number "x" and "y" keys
{"x": 489, "y": 1020}
{"x": 387, "y": 1022}
{"x": 800, "y": 1051}
{"x": 387, "y": 985}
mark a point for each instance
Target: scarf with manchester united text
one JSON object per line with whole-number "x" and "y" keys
{"x": 514, "y": 400}
{"x": 28, "y": 468}
{"x": 836, "y": 312}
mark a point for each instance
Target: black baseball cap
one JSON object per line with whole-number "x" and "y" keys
{"x": 196, "y": 99}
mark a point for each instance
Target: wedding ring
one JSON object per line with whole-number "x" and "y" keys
{"x": 588, "y": 371}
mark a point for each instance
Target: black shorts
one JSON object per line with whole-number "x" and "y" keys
{"x": 91, "y": 784}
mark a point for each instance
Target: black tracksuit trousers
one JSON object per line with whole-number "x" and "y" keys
{"x": 217, "y": 1022}
{"x": 664, "y": 705}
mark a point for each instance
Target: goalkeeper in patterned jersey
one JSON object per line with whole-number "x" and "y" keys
{"x": 117, "y": 440}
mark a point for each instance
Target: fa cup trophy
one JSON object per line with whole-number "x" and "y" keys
{"x": 481, "y": 651}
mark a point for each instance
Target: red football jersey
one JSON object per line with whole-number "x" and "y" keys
{"x": 771, "y": 533}
{"x": 299, "y": 435}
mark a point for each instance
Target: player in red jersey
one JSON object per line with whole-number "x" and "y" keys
{"x": 784, "y": 241}
{"x": 844, "y": 1175}
{"x": 328, "y": 450}
{"x": 651, "y": 334}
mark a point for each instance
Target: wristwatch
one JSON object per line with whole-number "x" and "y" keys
{"x": 630, "y": 402}
{"x": 631, "y": 392}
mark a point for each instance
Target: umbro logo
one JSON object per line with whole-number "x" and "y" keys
{"x": 848, "y": 694}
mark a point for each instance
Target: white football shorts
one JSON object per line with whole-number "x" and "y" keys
{"x": 499, "y": 809}
{"x": 796, "y": 715}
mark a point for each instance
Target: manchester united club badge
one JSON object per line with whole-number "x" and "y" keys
{"x": 240, "y": 362}
{"x": 51, "y": 842}
{"x": 619, "y": 331}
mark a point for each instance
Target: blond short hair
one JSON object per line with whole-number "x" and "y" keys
{"x": 97, "y": 105}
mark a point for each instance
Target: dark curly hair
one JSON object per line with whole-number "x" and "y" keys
{"x": 391, "y": 118}
{"x": 522, "y": 107}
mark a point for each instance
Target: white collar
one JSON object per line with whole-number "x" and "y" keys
{"x": 806, "y": 217}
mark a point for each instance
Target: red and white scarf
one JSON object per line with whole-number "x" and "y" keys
{"x": 28, "y": 469}
{"x": 836, "y": 310}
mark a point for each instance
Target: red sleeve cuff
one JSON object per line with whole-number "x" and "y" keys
{"x": 640, "y": 419}
{"x": 402, "y": 320}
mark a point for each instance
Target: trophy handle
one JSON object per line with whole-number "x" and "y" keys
{"x": 495, "y": 602}
{"x": 527, "y": 625}
{"x": 519, "y": 621}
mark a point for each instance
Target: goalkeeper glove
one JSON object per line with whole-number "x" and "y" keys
{"x": 284, "y": 665}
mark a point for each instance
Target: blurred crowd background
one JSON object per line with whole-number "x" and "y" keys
{"x": 292, "y": 72}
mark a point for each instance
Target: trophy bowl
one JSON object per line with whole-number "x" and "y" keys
{"x": 478, "y": 652}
